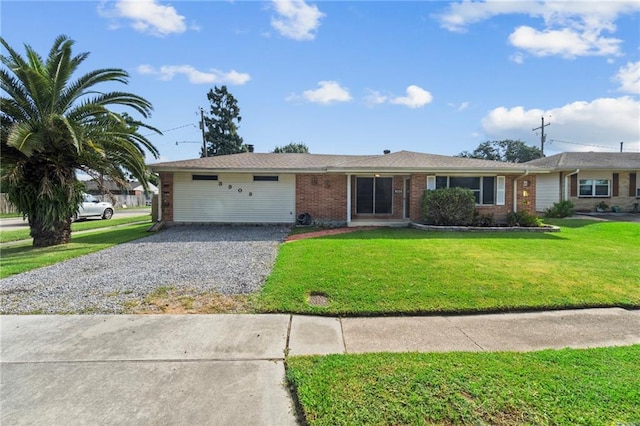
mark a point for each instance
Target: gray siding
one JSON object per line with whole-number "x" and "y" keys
{"x": 547, "y": 190}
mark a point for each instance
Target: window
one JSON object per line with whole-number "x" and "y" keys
{"x": 265, "y": 178}
{"x": 204, "y": 177}
{"x": 594, "y": 188}
{"x": 374, "y": 195}
{"x": 483, "y": 187}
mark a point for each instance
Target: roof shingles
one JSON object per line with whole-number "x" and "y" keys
{"x": 397, "y": 161}
{"x": 590, "y": 160}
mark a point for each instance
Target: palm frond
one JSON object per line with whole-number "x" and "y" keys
{"x": 24, "y": 137}
{"x": 80, "y": 87}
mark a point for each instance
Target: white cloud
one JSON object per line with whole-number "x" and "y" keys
{"x": 462, "y": 14}
{"x": 416, "y": 97}
{"x": 629, "y": 78}
{"x": 566, "y": 42}
{"x": 517, "y": 57}
{"x": 463, "y": 106}
{"x": 297, "y": 19}
{"x": 459, "y": 107}
{"x": 601, "y": 122}
{"x": 329, "y": 92}
{"x": 146, "y": 16}
{"x": 167, "y": 72}
{"x": 569, "y": 28}
{"x": 374, "y": 98}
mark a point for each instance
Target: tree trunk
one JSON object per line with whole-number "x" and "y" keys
{"x": 46, "y": 237}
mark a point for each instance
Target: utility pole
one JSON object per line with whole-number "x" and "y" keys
{"x": 542, "y": 134}
{"x": 204, "y": 140}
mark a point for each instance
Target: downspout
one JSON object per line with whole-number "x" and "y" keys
{"x": 515, "y": 190}
{"x": 159, "y": 200}
{"x": 348, "y": 199}
{"x": 566, "y": 184}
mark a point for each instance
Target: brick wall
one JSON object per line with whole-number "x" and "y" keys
{"x": 166, "y": 195}
{"x": 623, "y": 200}
{"x": 525, "y": 202}
{"x": 418, "y": 185}
{"x": 323, "y": 196}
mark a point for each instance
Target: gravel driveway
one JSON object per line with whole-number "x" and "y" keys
{"x": 226, "y": 259}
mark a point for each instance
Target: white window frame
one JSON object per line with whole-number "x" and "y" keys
{"x": 499, "y": 194}
{"x": 593, "y": 184}
{"x": 500, "y": 190}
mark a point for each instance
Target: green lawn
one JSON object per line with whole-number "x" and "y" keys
{"x": 595, "y": 386}
{"x": 23, "y": 257}
{"x": 407, "y": 271}
{"x": 10, "y": 215}
{"x": 23, "y": 233}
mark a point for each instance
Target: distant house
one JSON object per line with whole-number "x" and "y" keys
{"x": 132, "y": 188}
{"x": 333, "y": 189}
{"x": 586, "y": 178}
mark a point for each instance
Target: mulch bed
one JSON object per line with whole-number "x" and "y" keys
{"x": 324, "y": 232}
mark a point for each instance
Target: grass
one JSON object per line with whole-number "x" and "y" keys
{"x": 591, "y": 386}
{"x": 10, "y": 215}
{"x": 23, "y": 234}
{"x": 408, "y": 271}
{"x": 23, "y": 257}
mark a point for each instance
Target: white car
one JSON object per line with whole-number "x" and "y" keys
{"x": 91, "y": 206}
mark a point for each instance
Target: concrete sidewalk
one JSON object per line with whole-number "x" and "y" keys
{"x": 229, "y": 369}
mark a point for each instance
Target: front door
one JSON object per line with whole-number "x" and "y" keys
{"x": 406, "y": 198}
{"x": 374, "y": 195}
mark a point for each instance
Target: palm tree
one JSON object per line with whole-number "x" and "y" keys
{"x": 52, "y": 126}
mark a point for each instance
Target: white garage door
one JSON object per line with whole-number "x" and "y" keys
{"x": 547, "y": 191}
{"x": 234, "y": 198}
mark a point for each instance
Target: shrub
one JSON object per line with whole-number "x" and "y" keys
{"x": 484, "y": 220}
{"x": 561, "y": 209}
{"x": 448, "y": 206}
{"x": 523, "y": 218}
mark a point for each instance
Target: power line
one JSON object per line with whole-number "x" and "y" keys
{"x": 172, "y": 129}
{"x": 583, "y": 144}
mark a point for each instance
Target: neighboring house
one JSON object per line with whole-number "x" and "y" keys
{"x": 333, "y": 189}
{"x": 132, "y": 195}
{"x": 587, "y": 178}
{"x": 132, "y": 188}
{"x": 138, "y": 189}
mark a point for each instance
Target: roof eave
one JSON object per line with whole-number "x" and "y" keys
{"x": 235, "y": 170}
{"x": 352, "y": 170}
{"x": 404, "y": 170}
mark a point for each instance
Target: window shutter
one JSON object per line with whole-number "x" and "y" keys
{"x": 500, "y": 192}
{"x": 632, "y": 184}
{"x": 573, "y": 192}
{"x": 616, "y": 184}
{"x": 431, "y": 182}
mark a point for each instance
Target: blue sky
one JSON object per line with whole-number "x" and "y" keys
{"x": 361, "y": 77}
